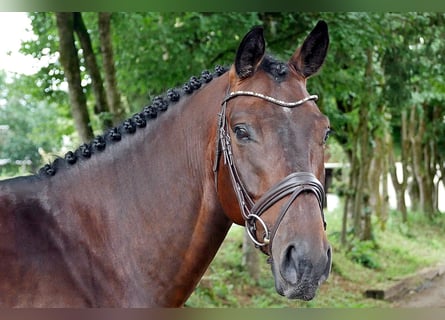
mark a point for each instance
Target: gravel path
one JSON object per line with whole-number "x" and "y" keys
{"x": 431, "y": 294}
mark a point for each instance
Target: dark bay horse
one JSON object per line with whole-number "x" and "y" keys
{"x": 135, "y": 217}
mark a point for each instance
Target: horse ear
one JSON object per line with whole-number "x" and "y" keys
{"x": 309, "y": 58}
{"x": 250, "y": 53}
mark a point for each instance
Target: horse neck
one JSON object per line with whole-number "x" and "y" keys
{"x": 148, "y": 203}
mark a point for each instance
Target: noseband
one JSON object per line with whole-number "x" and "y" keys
{"x": 293, "y": 185}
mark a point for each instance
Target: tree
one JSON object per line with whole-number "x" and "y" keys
{"x": 101, "y": 104}
{"x": 70, "y": 63}
{"x": 413, "y": 69}
{"x": 106, "y": 49}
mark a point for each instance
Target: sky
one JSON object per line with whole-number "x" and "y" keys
{"x": 14, "y": 28}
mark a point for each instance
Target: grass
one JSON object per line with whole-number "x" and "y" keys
{"x": 398, "y": 251}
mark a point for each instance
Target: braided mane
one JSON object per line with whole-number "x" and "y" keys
{"x": 139, "y": 120}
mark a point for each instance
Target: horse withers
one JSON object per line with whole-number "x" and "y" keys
{"x": 134, "y": 217}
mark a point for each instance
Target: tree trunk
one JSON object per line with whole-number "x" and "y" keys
{"x": 378, "y": 178}
{"x": 358, "y": 197}
{"x": 113, "y": 95}
{"x": 399, "y": 183}
{"x": 101, "y": 107}
{"x": 70, "y": 64}
{"x": 344, "y": 222}
{"x": 384, "y": 214}
{"x": 416, "y": 153}
{"x": 251, "y": 258}
{"x": 358, "y": 206}
{"x": 430, "y": 158}
{"x": 362, "y": 162}
{"x": 422, "y": 161}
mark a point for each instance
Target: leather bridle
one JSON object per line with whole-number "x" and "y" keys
{"x": 294, "y": 184}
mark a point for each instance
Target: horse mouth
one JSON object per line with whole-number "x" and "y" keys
{"x": 303, "y": 287}
{"x": 304, "y": 290}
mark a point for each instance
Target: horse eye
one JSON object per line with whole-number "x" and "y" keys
{"x": 327, "y": 134}
{"x": 242, "y": 134}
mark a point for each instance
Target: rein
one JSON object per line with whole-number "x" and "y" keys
{"x": 294, "y": 184}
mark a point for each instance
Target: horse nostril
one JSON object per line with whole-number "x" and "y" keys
{"x": 327, "y": 268}
{"x": 289, "y": 269}
{"x": 329, "y": 256}
{"x": 297, "y": 265}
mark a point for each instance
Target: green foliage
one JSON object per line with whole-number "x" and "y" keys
{"x": 45, "y": 84}
{"x": 364, "y": 253}
{"x": 155, "y": 51}
{"x": 218, "y": 290}
{"x": 30, "y": 124}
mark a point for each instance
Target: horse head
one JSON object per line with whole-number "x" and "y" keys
{"x": 271, "y": 137}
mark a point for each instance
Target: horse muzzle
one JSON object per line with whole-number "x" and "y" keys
{"x": 298, "y": 273}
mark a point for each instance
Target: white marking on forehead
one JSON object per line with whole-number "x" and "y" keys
{"x": 287, "y": 110}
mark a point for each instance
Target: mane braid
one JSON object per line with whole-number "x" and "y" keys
{"x": 159, "y": 104}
